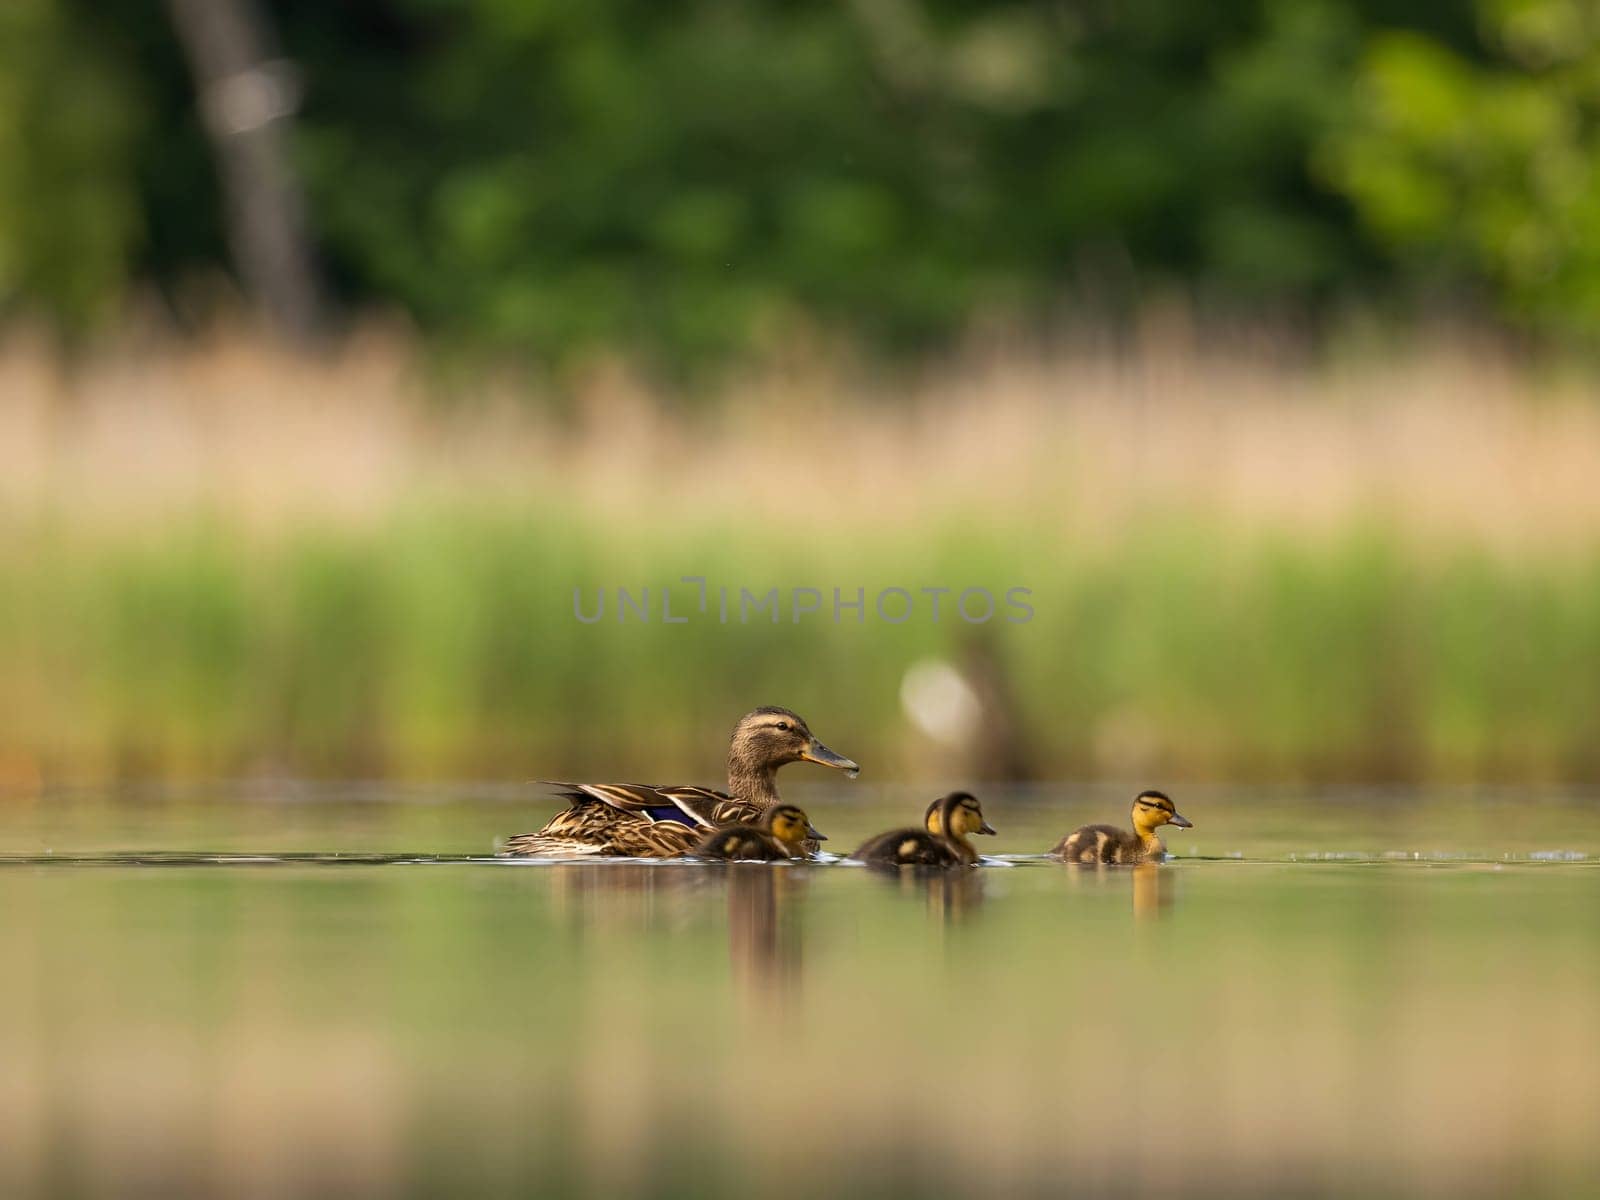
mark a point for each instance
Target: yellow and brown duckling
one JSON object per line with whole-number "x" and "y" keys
{"x": 1108, "y": 844}
{"x": 942, "y": 842}
{"x": 636, "y": 820}
{"x": 782, "y": 832}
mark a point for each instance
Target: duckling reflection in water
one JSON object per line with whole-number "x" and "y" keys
{"x": 1108, "y": 844}
{"x": 782, "y": 833}
{"x": 1151, "y": 886}
{"x": 765, "y": 939}
{"x": 942, "y": 842}
{"x": 952, "y": 895}
{"x": 1152, "y": 890}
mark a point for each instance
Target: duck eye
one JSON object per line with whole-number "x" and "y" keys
{"x": 783, "y": 725}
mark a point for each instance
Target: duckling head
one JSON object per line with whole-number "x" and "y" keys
{"x": 1152, "y": 809}
{"x": 767, "y": 738}
{"x": 960, "y": 813}
{"x": 790, "y": 825}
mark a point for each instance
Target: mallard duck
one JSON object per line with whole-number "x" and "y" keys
{"x": 1108, "y": 844}
{"x": 782, "y": 832}
{"x": 942, "y": 842}
{"x": 637, "y": 820}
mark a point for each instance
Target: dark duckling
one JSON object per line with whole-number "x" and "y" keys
{"x": 941, "y": 843}
{"x": 1108, "y": 844}
{"x": 782, "y": 833}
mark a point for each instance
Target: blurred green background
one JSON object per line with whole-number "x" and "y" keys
{"x": 340, "y": 343}
{"x": 688, "y": 178}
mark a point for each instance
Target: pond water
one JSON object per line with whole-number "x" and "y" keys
{"x": 292, "y": 990}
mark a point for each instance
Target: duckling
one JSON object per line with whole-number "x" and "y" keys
{"x": 636, "y": 820}
{"x": 967, "y": 819}
{"x": 1108, "y": 844}
{"x": 942, "y": 842}
{"x": 781, "y": 833}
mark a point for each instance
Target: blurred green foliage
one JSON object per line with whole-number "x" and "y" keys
{"x": 695, "y": 179}
{"x": 1491, "y": 168}
{"x": 69, "y": 203}
{"x": 436, "y": 644}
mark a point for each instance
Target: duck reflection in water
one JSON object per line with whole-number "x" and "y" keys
{"x": 764, "y": 905}
{"x": 1153, "y": 891}
{"x": 622, "y": 897}
{"x": 951, "y": 895}
{"x": 765, "y": 935}
{"x": 1152, "y": 886}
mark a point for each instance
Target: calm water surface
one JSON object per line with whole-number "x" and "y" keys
{"x": 281, "y": 990}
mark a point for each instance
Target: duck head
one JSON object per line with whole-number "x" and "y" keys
{"x": 767, "y": 739}
{"x": 790, "y": 825}
{"x": 960, "y": 813}
{"x": 1153, "y": 809}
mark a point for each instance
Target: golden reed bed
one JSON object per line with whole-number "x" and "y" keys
{"x": 225, "y": 558}
{"x": 1444, "y": 441}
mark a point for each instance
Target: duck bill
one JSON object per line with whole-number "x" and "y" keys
{"x": 1180, "y": 821}
{"x": 986, "y": 828}
{"x": 815, "y": 835}
{"x": 818, "y": 753}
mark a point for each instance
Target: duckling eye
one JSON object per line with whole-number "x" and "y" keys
{"x": 783, "y": 725}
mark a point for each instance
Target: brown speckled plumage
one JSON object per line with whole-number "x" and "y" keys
{"x": 1108, "y": 844}
{"x": 636, "y": 820}
{"x": 780, "y": 834}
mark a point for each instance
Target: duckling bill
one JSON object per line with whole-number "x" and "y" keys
{"x": 782, "y": 833}
{"x": 1108, "y": 844}
{"x": 942, "y": 842}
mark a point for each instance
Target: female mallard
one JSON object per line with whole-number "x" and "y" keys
{"x": 636, "y": 820}
{"x": 1108, "y": 844}
{"x": 781, "y": 833}
{"x": 942, "y": 843}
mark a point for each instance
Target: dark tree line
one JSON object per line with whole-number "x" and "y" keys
{"x": 687, "y": 178}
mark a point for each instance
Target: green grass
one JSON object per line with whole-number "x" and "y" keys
{"x": 441, "y": 641}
